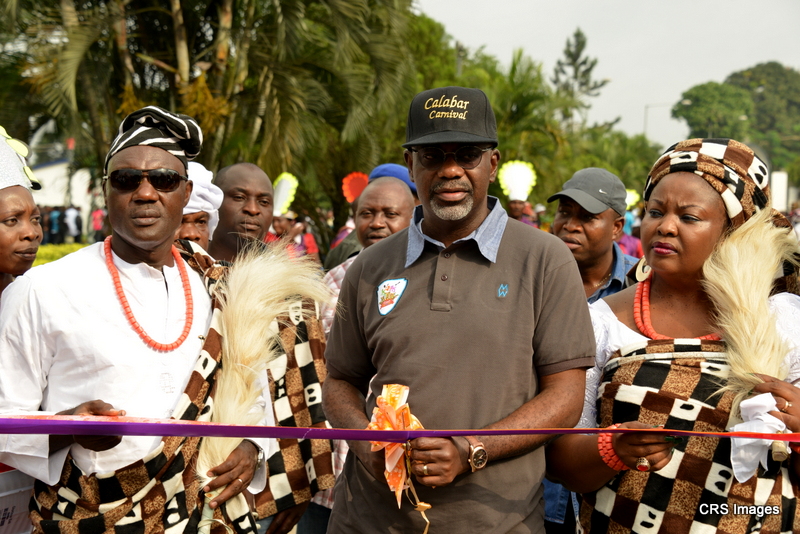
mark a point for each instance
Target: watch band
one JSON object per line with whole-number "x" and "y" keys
{"x": 478, "y": 457}
{"x": 261, "y": 456}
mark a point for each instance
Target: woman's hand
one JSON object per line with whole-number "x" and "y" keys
{"x": 650, "y": 445}
{"x": 787, "y": 397}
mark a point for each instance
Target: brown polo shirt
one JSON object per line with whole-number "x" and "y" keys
{"x": 470, "y": 337}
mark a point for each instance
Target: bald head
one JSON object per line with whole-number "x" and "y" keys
{"x": 384, "y": 207}
{"x": 237, "y": 170}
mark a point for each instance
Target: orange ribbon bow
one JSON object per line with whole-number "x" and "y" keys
{"x": 393, "y": 413}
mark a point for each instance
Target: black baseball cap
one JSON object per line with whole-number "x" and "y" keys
{"x": 595, "y": 190}
{"x": 450, "y": 115}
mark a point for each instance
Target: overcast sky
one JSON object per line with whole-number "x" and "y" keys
{"x": 650, "y": 51}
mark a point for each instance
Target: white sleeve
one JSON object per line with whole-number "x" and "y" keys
{"x": 600, "y": 322}
{"x": 786, "y": 309}
{"x": 268, "y": 445}
{"x": 25, "y": 360}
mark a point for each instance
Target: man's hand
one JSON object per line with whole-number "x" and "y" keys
{"x": 92, "y": 443}
{"x": 441, "y": 458}
{"x": 235, "y": 473}
{"x": 285, "y": 521}
{"x": 374, "y": 462}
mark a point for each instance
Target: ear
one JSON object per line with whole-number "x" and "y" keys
{"x": 188, "y": 193}
{"x": 495, "y": 163}
{"x": 408, "y": 156}
{"x": 619, "y": 223}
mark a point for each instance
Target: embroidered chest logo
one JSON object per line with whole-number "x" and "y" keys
{"x": 502, "y": 291}
{"x": 389, "y": 293}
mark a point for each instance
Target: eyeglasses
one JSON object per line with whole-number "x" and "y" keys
{"x": 127, "y": 180}
{"x": 467, "y": 157}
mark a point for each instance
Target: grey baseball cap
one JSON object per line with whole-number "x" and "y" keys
{"x": 595, "y": 190}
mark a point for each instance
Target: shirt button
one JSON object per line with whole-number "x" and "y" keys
{"x": 446, "y": 254}
{"x": 444, "y": 278}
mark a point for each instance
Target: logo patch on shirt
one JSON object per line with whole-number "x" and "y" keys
{"x": 389, "y": 293}
{"x": 502, "y": 291}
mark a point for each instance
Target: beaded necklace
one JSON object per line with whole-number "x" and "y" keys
{"x": 187, "y": 291}
{"x": 641, "y": 314}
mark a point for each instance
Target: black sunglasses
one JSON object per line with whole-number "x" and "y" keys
{"x": 467, "y": 157}
{"x": 127, "y": 180}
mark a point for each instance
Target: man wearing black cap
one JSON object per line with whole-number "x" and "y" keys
{"x": 482, "y": 317}
{"x": 589, "y": 220}
{"x": 122, "y": 322}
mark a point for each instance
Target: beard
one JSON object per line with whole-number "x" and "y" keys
{"x": 449, "y": 212}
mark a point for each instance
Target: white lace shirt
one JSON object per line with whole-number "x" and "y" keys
{"x": 64, "y": 340}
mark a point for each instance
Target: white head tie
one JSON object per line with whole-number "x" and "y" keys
{"x": 205, "y": 197}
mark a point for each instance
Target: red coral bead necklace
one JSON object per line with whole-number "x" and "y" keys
{"x": 641, "y": 314}
{"x": 187, "y": 291}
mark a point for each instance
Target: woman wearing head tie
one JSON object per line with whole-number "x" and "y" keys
{"x": 711, "y": 325}
{"x": 20, "y": 228}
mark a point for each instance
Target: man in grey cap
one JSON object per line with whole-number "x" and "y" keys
{"x": 481, "y": 316}
{"x": 589, "y": 220}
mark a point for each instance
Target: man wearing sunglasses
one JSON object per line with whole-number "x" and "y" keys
{"x": 482, "y": 316}
{"x": 122, "y": 322}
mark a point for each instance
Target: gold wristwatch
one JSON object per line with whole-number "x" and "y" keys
{"x": 478, "y": 457}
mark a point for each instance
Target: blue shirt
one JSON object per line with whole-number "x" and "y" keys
{"x": 618, "y": 280}
{"x": 487, "y": 235}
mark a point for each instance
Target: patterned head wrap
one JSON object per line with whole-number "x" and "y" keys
{"x": 205, "y": 196}
{"x": 731, "y": 167}
{"x": 180, "y": 135}
{"x": 737, "y": 174}
{"x": 14, "y": 168}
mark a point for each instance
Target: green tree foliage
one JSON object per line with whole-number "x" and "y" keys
{"x": 316, "y": 88}
{"x": 715, "y": 110}
{"x": 573, "y": 79}
{"x": 775, "y": 125}
{"x": 291, "y": 85}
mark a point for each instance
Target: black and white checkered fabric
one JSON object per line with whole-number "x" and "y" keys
{"x": 731, "y": 167}
{"x": 180, "y": 135}
{"x": 673, "y": 383}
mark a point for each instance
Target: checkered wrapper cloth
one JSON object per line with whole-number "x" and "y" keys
{"x": 674, "y": 383}
{"x": 299, "y": 468}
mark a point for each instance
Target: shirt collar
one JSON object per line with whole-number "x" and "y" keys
{"x": 619, "y": 274}
{"x": 619, "y": 271}
{"x": 487, "y": 236}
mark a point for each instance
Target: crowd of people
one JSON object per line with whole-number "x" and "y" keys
{"x": 494, "y": 318}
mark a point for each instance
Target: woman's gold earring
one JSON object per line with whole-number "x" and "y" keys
{"x": 642, "y": 270}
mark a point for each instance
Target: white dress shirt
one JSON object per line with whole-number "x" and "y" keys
{"x": 65, "y": 340}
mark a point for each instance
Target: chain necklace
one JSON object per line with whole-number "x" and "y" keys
{"x": 601, "y": 282}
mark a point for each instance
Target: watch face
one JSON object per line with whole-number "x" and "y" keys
{"x": 479, "y": 458}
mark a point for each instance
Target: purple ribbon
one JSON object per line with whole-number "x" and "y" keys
{"x": 132, "y": 426}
